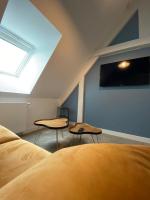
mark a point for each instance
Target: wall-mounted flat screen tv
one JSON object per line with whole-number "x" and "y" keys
{"x": 127, "y": 72}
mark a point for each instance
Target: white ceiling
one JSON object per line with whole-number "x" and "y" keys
{"x": 86, "y": 26}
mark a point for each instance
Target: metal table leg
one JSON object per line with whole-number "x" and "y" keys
{"x": 93, "y": 138}
{"x": 62, "y": 133}
{"x": 73, "y": 140}
{"x": 80, "y": 138}
{"x": 97, "y": 139}
{"x": 57, "y": 138}
{"x": 37, "y": 138}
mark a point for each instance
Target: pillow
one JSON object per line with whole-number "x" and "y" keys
{"x": 6, "y": 135}
{"x": 93, "y": 172}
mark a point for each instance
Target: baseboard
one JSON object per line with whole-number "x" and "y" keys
{"x": 105, "y": 131}
{"x": 127, "y": 136}
{"x": 30, "y": 131}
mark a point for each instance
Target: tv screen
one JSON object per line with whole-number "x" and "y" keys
{"x": 125, "y": 73}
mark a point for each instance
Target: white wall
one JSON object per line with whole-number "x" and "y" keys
{"x": 41, "y": 108}
{"x": 18, "y": 114}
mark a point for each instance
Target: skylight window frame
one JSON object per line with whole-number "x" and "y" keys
{"x": 20, "y": 43}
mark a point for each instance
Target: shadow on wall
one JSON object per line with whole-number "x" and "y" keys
{"x": 72, "y": 104}
{"x": 129, "y": 32}
{"x": 96, "y": 20}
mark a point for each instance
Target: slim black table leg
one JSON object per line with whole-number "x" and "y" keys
{"x": 80, "y": 138}
{"x": 92, "y": 138}
{"x": 97, "y": 139}
{"x": 57, "y": 143}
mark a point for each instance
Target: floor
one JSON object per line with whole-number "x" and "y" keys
{"x": 46, "y": 139}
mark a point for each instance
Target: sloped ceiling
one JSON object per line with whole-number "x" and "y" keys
{"x": 33, "y": 27}
{"x": 86, "y": 26}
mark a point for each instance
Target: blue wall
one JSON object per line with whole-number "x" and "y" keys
{"x": 72, "y": 104}
{"x": 129, "y": 32}
{"x": 124, "y": 109}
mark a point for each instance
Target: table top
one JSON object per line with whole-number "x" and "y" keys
{"x": 83, "y": 128}
{"x": 56, "y": 123}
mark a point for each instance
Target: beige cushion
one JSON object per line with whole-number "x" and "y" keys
{"x": 16, "y": 157}
{"x": 86, "y": 172}
{"x": 7, "y": 135}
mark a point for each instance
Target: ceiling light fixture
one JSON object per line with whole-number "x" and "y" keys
{"x": 124, "y": 64}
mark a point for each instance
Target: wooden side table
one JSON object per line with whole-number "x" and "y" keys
{"x": 83, "y": 128}
{"x": 56, "y": 124}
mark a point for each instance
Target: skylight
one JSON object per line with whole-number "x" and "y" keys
{"x": 25, "y": 47}
{"x": 14, "y": 53}
{"x": 12, "y": 58}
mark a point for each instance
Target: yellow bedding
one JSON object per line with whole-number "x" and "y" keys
{"x": 6, "y": 135}
{"x": 16, "y": 157}
{"x": 86, "y": 172}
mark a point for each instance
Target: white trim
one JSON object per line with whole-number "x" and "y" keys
{"x": 30, "y": 130}
{"x": 118, "y": 29}
{"x": 80, "y": 101}
{"x": 127, "y": 136}
{"x": 20, "y": 43}
{"x": 122, "y": 135}
{"x": 14, "y": 39}
{"x": 83, "y": 72}
{"x": 124, "y": 47}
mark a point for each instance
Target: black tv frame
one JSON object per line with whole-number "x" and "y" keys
{"x": 132, "y": 76}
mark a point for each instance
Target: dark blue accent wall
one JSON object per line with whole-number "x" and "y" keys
{"x": 129, "y": 32}
{"x": 72, "y": 104}
{"x": 124, "y": 109}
